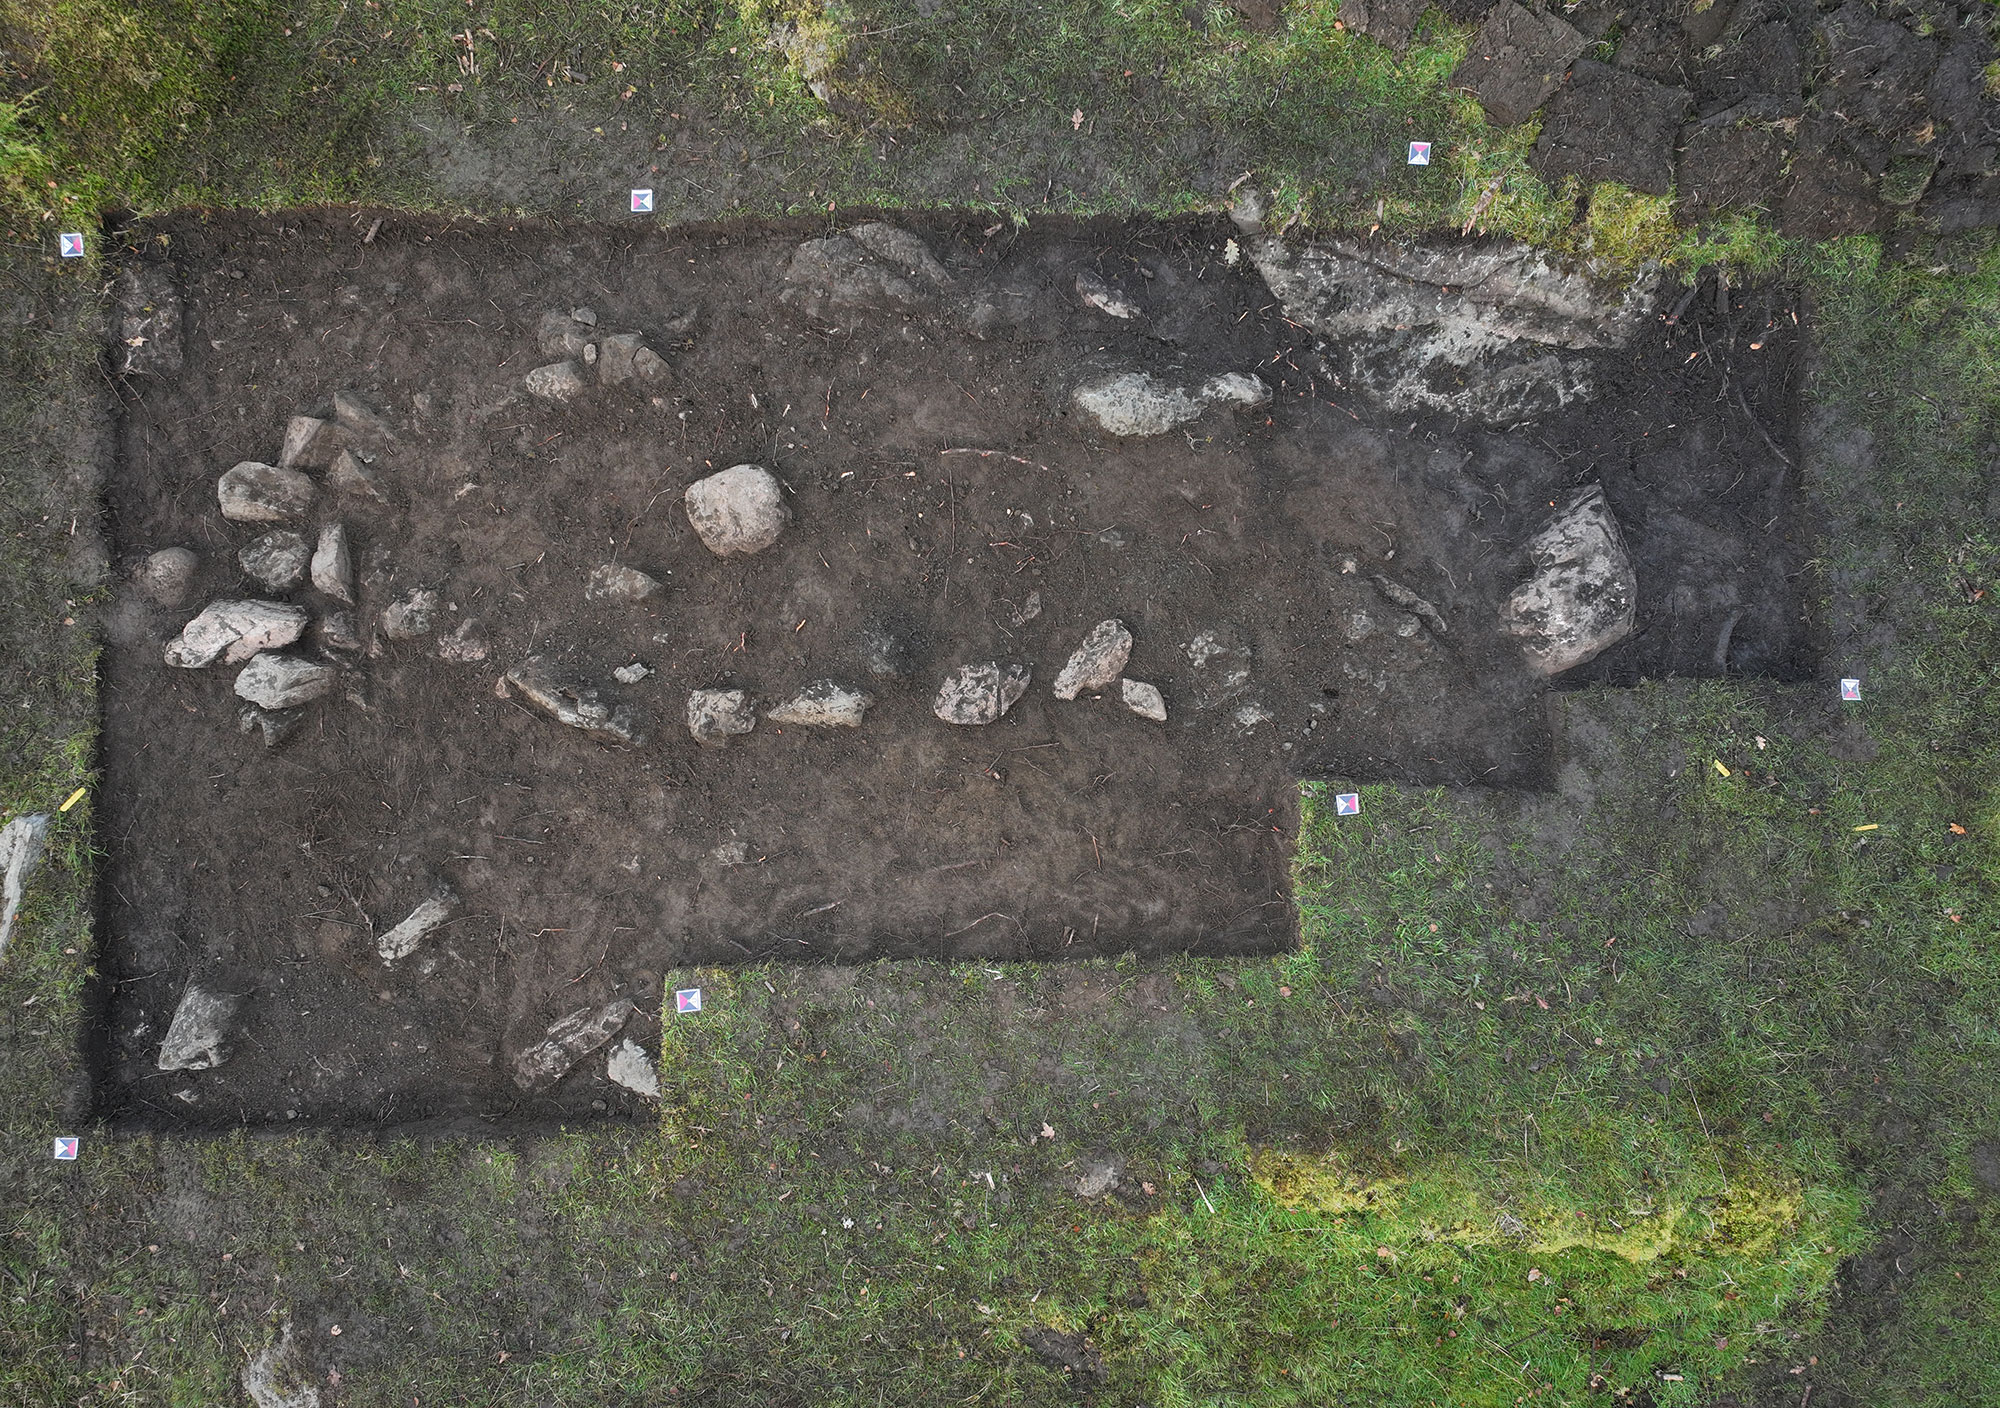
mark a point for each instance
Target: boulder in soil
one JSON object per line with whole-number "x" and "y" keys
{"x": 277, "y": 561}
{"x": 872, "y": 268}
{"x": 166, "y": 577}
{"x": 980, "y": 693}
{"x": 1096, "y": 293}
{"x": 617, "y": 357}
{"x": 558, "y": 381}
{"x": 250, "y": 492}
{"x": 738, "y": 510}
{"x": 1143, "y": 699}
{"x": 541, "y": 1066}
{"x": 1583, "y": 597}
{"x": 359, "y": 419}
{"x": 1135, "y": 405}
{"x": 823, "y": 704}
{"x": 332, "y": 567}
{"x": 233, "y": 631}
{"x": 274, "y": 681}
{"x": 1516, "y": 60}
{"x": 149, "y": 320}
{"x": 718, "y": 715}
{"x": 402, "y": 940}
{"x": 412, "y": 615}
{"x": 572, "y": 705}
{"x": 308, "y": 444}
{"x": 351, "y": 478}
{"x": 629, "y": 1065}
{"x": 22, "y": 842}
{"x": 612, "y": 582}
{"x": 561, "y": 335}
{"x": 1097, "y": 662}
{"x": 198, "y": 1038}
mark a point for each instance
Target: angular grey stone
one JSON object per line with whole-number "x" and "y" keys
{"x": 578, "y": 708}
{"x": 1097, "y": 662}
{"x": 647, "y": 365}
{"x": 741, "y": 509}
{"x": 352, "y": 478}
{"x": 558, "y": 381}
{"x": 411, "y": 615}
{"x": 285, "y": 681}
{"x": 250, "y": 492}
{"x": 22, "y": 842}
{"x": 277, "y": 561}
{"x": 871, "y": 268}
{"x": 233, "y": 631}
{"x": 541, "y": 1066}
{"x": 1098, "y": 294}
{"x": 585, "y": 316}
{"x": 717, "y": 715}
{"x": 149, "y": 320}
{"x": 274, "y": 1378}
{"x": 1583, "y": 598}
{"x": 560, "y": 335}
{"x": 629, "y": 1065}
{"x": 402, "y": 941}
{"x": 338, "y": 630}
{"x": 308, "y": 444}
{"x": 332, "y": 567}
{"x": 611, "y": 582}
{"x": 823, "y": 704}
{"x": 618, "y": 352}
{"x": 167, "y": 576}
{"x": 630, "y": 674}
{"x": 1143, "y": 699}
{"x": 197, "y": 1039}
{"x": 359, "y": 420}
{"x": 275, "y": 726}
{"x": 1135, "y": 404}
{"x": 981, "y": 693}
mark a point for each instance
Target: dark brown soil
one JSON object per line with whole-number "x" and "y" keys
{"x": 937, "y": 480}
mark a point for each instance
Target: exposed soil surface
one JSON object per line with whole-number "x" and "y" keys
{"x": 940, "y": 485}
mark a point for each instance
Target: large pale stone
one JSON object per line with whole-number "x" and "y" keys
{"x": 569, "y": 1040}
{"x": 738, "y": 510}
{"x": 717, "y": 715}
{"x": 22, "y": 842}
{"x": 332, "y": 567}
{"x": 823, "y": 704}
{"x": 284, "y": 681}
{"x": 197, "y": 1039}
{"x": 1583, "y": 599}
{"x": 233, "y": 631}
{"x": 277, "y": 561}
{"x": 402, "y": 941}
{"x": 579, "y": 708}
{"x": 263, "y": 493}
{"x": 980, "y": 693}
{"x": 1097, "y": 662}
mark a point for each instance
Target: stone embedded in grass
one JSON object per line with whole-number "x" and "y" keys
{"x": 737, "y": 510}
{"x": 275, "y": 1377}
{"x": 275, "y": 681}
{"x": 1100, "y": 1178}
{"x": 402, "y": 941}
{"x": 166, "y": 577}
{"x": 541, "y": 1066}
{"x": 717, "y": 715}
{"x": 275, "y": 726}
{"x": 574, "y": 706}
{"x": 823, "y": 704}
{"x": 233, "y": 631}
{"x": 250, "y": 492}
{"x": 612, "y": 582}
{"x": 22, "y": 841}
{"x": 1144, "y": 700}
{"x": 332, "y": 567}
{"x": 411, "y": 615}
{"x": 980, "y": 693}
{"x": 197, "y": 1039}
{"x": 629, "y": 1065}
{"x": 277, "y": 561}
{"x": 308, "y": 444}
{"x": 1583, "y": 598}
{"x": 558, "y": 382}
{"x": 1097, "y": 662}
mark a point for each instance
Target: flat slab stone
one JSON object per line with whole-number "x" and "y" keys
{"x": 274, "y": 681}
{"x": 233, "y": 631}
{"x": 198, "y": 1038}
{"x": 543, "y": 687}
{"x": 1583, "y": 598}
{"x": 541, "y": 1066}
{"x": 250, "y": 492}
{"x": 22, "y": 842}
{"x": 979, "y": 694}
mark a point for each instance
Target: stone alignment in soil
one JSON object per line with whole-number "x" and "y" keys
{"x": 397, "y": 889}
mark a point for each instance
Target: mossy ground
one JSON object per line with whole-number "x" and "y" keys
{"x": 1567, "y": 1099}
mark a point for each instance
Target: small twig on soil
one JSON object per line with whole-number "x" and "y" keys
{"x": 981, "y": 920}
{"x": 1759, "y": 425}
{"x": 983, "y": 454}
